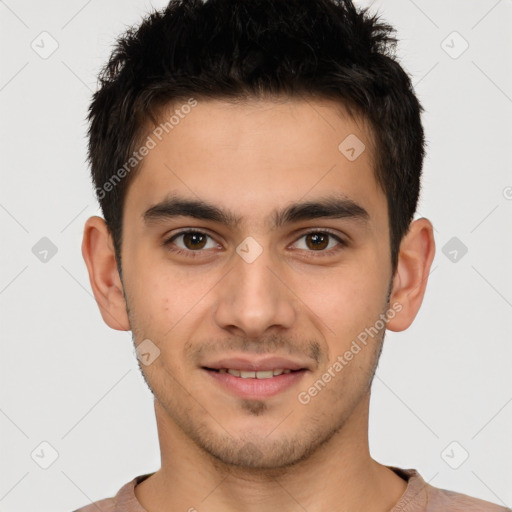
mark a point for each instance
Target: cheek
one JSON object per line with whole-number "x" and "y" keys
{"x": 152, "y": 293}
{"x": 164, "y": 300}
{"x": 345, "y": 299}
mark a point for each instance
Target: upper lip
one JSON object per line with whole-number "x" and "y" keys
{"x": 255, "y": 364}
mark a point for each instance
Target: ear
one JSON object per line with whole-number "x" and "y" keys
{"x": 410, "y": 280}
{"x": 98, "y": 253}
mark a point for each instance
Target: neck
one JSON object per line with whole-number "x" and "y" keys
{"x": 339, "y": 475}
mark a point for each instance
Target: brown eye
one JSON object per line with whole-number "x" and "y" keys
{"x": 321, "y": 242}
{"x": 317, "y": 241}
{"x": 190, "y": 242}
{"x": 194, "y": 241}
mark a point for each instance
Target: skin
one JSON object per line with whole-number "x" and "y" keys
{"x": 221, "y": 452}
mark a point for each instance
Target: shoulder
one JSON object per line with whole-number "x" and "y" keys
{"x": 124, "y": 501}
{"x": 105, "y": 505}
{"x": 423, "y": 497}
{"x": 442, "y": 499}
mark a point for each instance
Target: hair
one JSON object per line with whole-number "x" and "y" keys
{"x": 243, "y": 49}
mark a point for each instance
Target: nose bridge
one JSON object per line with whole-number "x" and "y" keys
{"x": 251, "y": 298}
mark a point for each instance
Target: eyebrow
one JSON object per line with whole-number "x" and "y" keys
{"x": 330, "y": 207}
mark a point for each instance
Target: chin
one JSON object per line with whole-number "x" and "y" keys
{"x": 253, "y": 453}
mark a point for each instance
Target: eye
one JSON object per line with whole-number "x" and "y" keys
{"x": 190, "y": 241}
{"x": 320, "y": 241}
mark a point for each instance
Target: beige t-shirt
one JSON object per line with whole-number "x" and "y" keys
{"x": 418, "y": 497}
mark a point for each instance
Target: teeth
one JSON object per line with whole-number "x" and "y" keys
{"x": 264, "y": 374}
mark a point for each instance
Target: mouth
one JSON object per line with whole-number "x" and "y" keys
{"x": 255, "y": 384}
{"x": 248, "y": 374}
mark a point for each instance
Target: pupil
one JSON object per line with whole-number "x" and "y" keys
{"x": 194, "y": 240}
{"x": 319, "y": 241}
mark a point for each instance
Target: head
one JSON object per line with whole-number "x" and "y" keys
{"x": 274, "y": 129}
{"x": 236, "y": 50}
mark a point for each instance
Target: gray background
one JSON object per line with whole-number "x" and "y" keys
{"x": 443, "y": 389}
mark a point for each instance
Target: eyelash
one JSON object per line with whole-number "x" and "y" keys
{"x": 193, "y": 254}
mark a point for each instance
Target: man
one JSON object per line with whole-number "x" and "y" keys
{"x": 258, "y": 166}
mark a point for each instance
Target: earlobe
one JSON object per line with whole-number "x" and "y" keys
{"x": 99, "y": 256}
{"x": 417, "y": 252}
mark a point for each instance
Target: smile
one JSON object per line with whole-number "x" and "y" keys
{"x": 244, "y": 374}
{"x": 254, "y": 384}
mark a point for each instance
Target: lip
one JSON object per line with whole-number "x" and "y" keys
{"x": 256, "y": 388}
{"x": 256, "y": 364}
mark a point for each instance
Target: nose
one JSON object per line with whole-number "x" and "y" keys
{"x": 253, "y": 298}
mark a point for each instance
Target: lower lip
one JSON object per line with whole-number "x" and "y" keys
{"x": 256, "y": 388}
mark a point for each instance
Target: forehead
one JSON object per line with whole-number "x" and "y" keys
{"x": 253, "y": 155}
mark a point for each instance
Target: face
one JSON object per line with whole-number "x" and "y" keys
{"x": 252, "y": 243}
